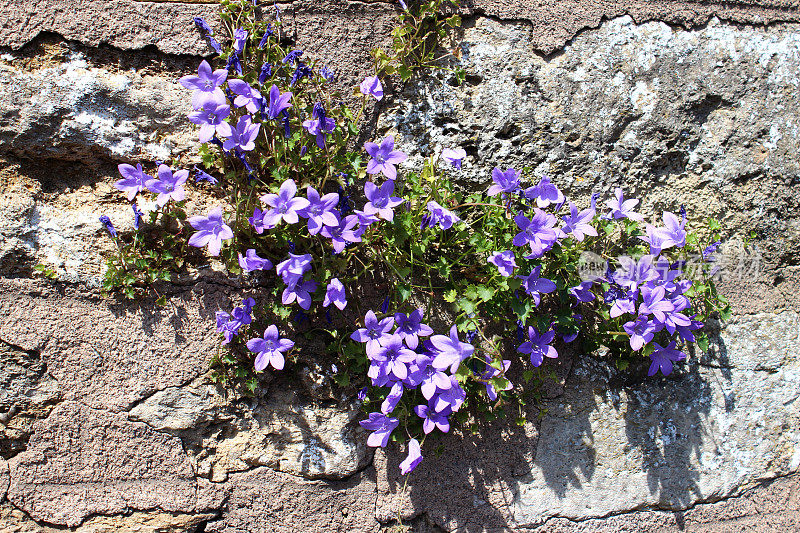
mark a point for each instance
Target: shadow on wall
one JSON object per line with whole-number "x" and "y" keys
{"x": 614, "y": 441}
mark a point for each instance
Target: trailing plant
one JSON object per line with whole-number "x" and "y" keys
{"x": 438, "y": 305}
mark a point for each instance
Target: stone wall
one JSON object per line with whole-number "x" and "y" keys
{"x": 108, "y": 421}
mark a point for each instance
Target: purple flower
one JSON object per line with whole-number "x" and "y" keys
{"x": 302, "y": 71}
{"x": 394, "y": 357}
{"x": 137, "y": 216}
{"x": 410, "y": 327}
{"x": 264, "y": 74}
{"x": 450, "y": 399}
{"x": 335, "y": 294}
{"x": 327, "y": 74}
{"x": 538, "y": 232}
{"x": 640, "y": 331}
{"x": 257, "y": 221}
{"x": 205, "y": 85}
{"x": 284, "y": 204}
{"x": 239, "y": 39}
{"x": 109, "y": 226}
{"x": 269, "y": 349}
{"x": 211, "y": 231}
{"x": 372, "y": 86}
{"x": 414, "y": 457}
{"x": 451, "y": 351}
{"x": 243, "y": 136}
{"x": 393, "y": 398}
{"x": 381, "y": 427}
{"x": 211, "y": 119}
{"x": 384, "y": 157}
{"x": 491, "y": 372}
{"x": 203, "y": 26}
{"x": 251, "y": 262}
{"x": 373, "y": 331}
{"x": 432, "y": 419}
{"x": 578, "y": 224}
{"x": 292, "y": 57}
{"x": 381, "y": 202}
{"x": 454, "y": 156}
{"x": 673, "y": 231}
{"x": 429, "y": 379}
{"x": 662, "y": 359}
{"x": 504, "y": 261}
{"x": 439, "y": 215}
{"x": 292, "y": 269}
{"x": 320, "y": 211}
{"x": 229, "y": 325}
{"x": 582, "y": 292}
{"x": 545, "y": 193}
{"x": 300, "y": 291}
{"x": 320, "y": 128}
{"x": 654, "y": 303}
{"x": 656, "y": 239}
{"x": 624, "y": 303}
{"x": 343, "y": 233}
{"x": 533, "y": 284}
{"x": 169, "y": 186}
{"x": 621, "y": 208}
{"x": 277, "y": 102}
{"x": 504, "y": 182}
{"x": 200, "y": 175}
{"x": 135, "y": 180}
{"x": 247, "y": 97}
{"x": 539, "y": 346}
{"x": 267, "y": 34}
{"x": 632, "y": 273}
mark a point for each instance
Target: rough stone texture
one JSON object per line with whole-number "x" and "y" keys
{"x": 276, "y": 429}
{"x": 69, "y": 109}
{"x": 703, "y": 118}
{"x": 700, "y": 436}
{"x": 3, "y": 479}
{"x": 264, "y": 501}
{"x": 27, "y": 393}
{"x": 110, "y": 355}
{"x": 83, "y": 461}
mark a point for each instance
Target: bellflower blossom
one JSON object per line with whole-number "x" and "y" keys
{"x": 381, "y": 427}
{"x": 169, "y": 186}
{"x": 265, "y": 73}
{"x": 674, "y": 231}
{"x": 432, "y": 420}
{"x": 292, "y": 57}
{"x": 429, "y": 379}
{"x": 109, "y": 226}
{"x": 302, "y": 71}
{"x": 504, "y": 261}
{"x": 656, "y": 238}
{"x": 381, "y": 202}
{"x": 135, "y": 180}
{"x": 582, "y": 292}
{"x": 393, "y": 357}
{"x": 534, "y": 285}
{"x": 299, "y": 290}
{"x": 451, "y": 351}
{"x": 320, "y": 211}
{"x": 200, "y": 175}
{"x": 622, "y": 208}
{"x": 545, "y": 193}
{"x": 504, "y": 182}
{"x": 578, "y": 224}
{"x": 267, "y": 34}
{"x": 372, "y": 86}
{"x": 384, "y": 157}
{"x": 414, "y": 457}
{"x": 451, "y": 398}
{"x": 654, "y": 303}
{"x": 137, "y": 216}
{"x": 320, "y": 128}
{"x": 491, "y": 372}
{"x": 292, "y": 269}
{"x": 239, "y": 39}
{"x": 343, "y": 233}
{"x": 246, "y": 96}
{"x": 278, "y": 102}
{"x": 229, "y": 324}
{"x": 410, "y": 327}
{"x": 335, "y": 294}
{"x": 632, "y": 273}
{"x": 538, "y": 346}
{"x": 243, "y": 136}
{"x": 206, "y": 85}
{"x": 211, "y": 231}
{"x": 662, "y": 358}
{"x": 211, "y": 119}
{"x": 269, "y": 349}
{"x": 641, "y": 331}
{"x": 373, "y": 332}
{"x": 538, "y": 232}
{"x": 251, "y": 262}
{"x": 439, "y": 215}
{"x": 454, "y": 156}
{"x": 284, "y": 204}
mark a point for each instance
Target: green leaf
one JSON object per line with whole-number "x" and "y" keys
{"x": 702, "y": 343}
{"x": 485, "y": 293}
{"x": 450, "y": 296}
{"x": 404, "y": 291}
